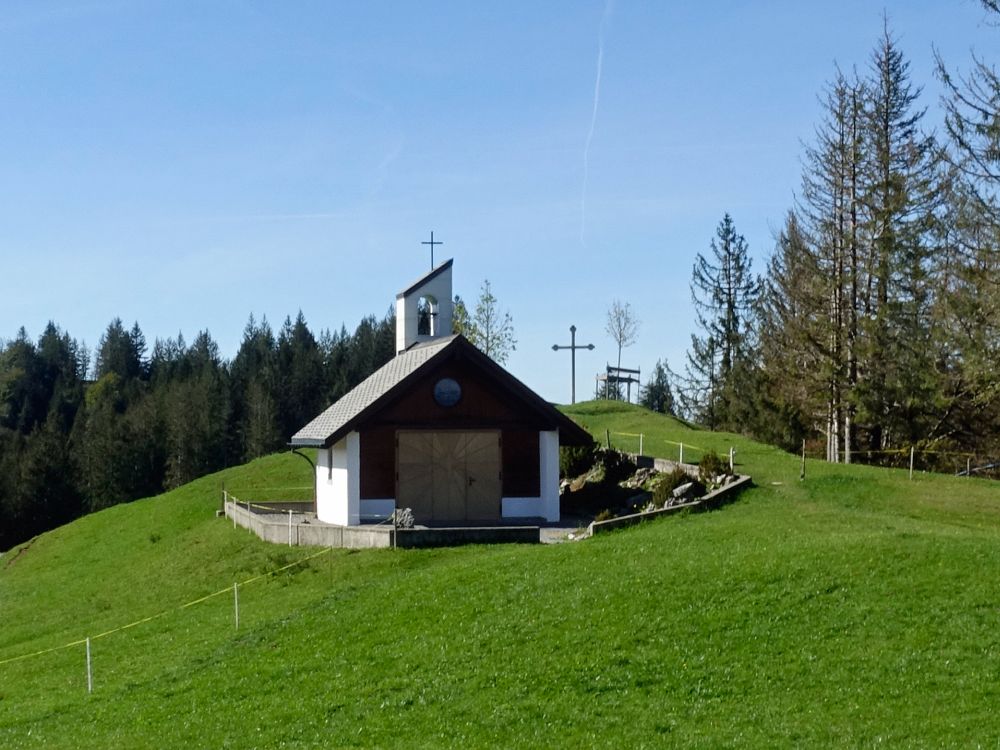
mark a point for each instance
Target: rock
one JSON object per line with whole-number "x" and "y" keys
{"x": 636, "y": 502}
{"x": 403, "y": 518}
{"x": 685, "y": 491}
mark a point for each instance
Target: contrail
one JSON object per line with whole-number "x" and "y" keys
{"x": 593, "y": 120}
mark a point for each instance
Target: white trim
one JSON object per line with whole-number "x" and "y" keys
{"x": 547, "y": 505}
{"x": 378, "y": 509}
{"x": 521, "y": 507}
{"x": 338, "y": 498}
{"x": 548, "y": 473}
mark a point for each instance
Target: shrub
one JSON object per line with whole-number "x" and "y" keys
{"x": 576, "y": 460}
{"x": 617, "y": 466}
{"x": 665, "y": 487}
{"x": 604, "y": 515}
{"x": 711, "y": 466}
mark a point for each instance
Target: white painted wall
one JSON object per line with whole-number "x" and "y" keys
{"x": 547, "y": 505}
{"x": 338, "y": 475}
{"x": 377, "y": 509}
{"x": 548, "y": 449}
{"x": 521, "y": 507}
{"x": 406, "y": 311}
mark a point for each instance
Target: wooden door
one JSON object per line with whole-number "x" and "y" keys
{"x": 482, "y": 476}
{"x": 449, "y": 476}
{"x": 415, "y": 474}
{"x": 448, "y": 459}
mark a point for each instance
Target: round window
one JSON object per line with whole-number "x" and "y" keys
{"x": 447, "y": 392}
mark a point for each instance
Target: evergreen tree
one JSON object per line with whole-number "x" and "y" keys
{"x": 656, "y": 395}
{"x": 196, "y": 414}
{"x": 335, "y": 351}
{"x": 121, "y": 352}
{"x": 972, "y": 121}
{"x": 253, "y": 387}
{"x": 725, "y": 293}
{"x": 300, "y": 372}
{"x": 460, "y": 321}
{"x": 895, "y": 390}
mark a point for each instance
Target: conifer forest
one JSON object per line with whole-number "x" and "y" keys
{"x": 872, "y": 326}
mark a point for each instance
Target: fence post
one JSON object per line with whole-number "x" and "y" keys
{"x": 732, "y": 451}
{"x": 608, "y": 433}
{"x": 802, "y": 472}
{"x": 681, "y": 459}
{"x": 90, "y": 677}
{"x": 236, "y": 604}
{"x": 289, "y": 528}
{"x": 640, "y": 443}
{"x": 911, "y": 462}
{"x": 968, "y": 467}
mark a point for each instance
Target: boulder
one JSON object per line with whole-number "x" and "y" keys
{"x": 686, "y": 491}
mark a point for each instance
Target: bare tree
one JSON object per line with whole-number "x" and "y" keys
{"x": 491, "y": 330}
{"x": 622, "y": 326}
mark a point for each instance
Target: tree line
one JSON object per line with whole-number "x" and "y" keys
{"x": 876, "y": 323}
{"x": 80, "y": 433}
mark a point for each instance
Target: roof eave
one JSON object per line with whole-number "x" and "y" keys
{"x": 425, "y": 278}
{"x": 386, "y": 397}
{"x": 305, "y": 443}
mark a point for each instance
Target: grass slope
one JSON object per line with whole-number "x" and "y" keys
{"x": 856, "y": 607}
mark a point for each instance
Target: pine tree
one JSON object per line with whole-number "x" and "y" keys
{"x": 725, "y": 292}
{"x": 300, "y": 372}
{"x": 195, "y": 405}
{"x": 253, "y": 385}
{"x": 657, "y": 395}
{"x": 972, "y": 121}
{"x": 121, "y": 352}
{"x": 896, "y": 388}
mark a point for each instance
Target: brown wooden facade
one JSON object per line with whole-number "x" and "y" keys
{"x": 485, "y": 405}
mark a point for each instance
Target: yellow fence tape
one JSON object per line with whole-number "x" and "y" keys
{"x": 656, "y": 439}
{"x": 226, "y": 590}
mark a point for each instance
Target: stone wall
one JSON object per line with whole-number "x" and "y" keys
{"x": 712, "y": 500}
{"x": 269, "y": 528}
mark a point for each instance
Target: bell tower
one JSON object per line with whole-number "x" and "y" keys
{"x": 430, "y": 295}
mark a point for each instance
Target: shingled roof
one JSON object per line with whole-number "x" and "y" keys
{"x": 366, "y": 393}
{"x": 379, "y": 388}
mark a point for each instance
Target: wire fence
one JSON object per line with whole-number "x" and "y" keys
{"x": 301, "y": 493}
{"x": 912, "y": 458}
{"x": 652, "y": 445}
{"x": 233, "y": 591}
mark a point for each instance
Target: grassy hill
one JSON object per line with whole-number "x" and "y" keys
{"x": 856, "y": 607}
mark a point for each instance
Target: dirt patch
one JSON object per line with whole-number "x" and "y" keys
{"x": 20, "y": 552}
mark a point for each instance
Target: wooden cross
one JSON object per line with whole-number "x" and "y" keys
{"x": 432, "y": 243}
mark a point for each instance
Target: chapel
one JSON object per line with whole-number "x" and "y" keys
{"x": 440, "y": 429}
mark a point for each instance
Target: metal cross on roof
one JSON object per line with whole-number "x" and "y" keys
{"x": 432, "y": 243}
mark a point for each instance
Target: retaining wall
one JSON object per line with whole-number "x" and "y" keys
{"x": 319, "y": 534}
{"x": 712, "y": 500}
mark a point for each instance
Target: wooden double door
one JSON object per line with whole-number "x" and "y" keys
{"x": 449, "y": 476}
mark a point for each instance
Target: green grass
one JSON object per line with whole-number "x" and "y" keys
{"x": 855, "y": 608}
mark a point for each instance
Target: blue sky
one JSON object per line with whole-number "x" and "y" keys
{"x": 186, "y": 164}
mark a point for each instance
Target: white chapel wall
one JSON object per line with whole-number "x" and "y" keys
{"x": 377, "y": 509}
{"x": 547, "y": 504}
{"x": 338, "y": 492}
